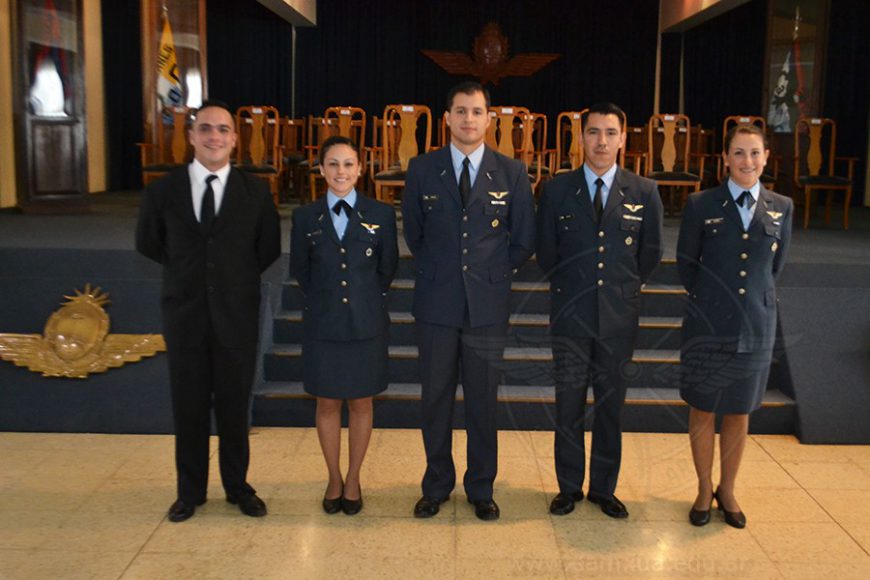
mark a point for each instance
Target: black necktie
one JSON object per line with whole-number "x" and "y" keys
{"x": 465, "y": 182}
{"x": 746, "y": 200}
{"x": 596, "y": 202}
{"x": 206, "y": 210}
{"x": 342, "y": 205}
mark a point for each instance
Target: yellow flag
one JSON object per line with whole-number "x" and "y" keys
{"x": 168, "y": 83}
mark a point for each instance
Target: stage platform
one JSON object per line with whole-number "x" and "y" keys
{"x": 819, "y": 388}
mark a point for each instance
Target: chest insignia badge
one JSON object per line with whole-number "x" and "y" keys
{"x": 498, "y": 194}
{"x": 632, "y": 207}
{"x": 371, "y": 228}
{"x": 774, "y": 214}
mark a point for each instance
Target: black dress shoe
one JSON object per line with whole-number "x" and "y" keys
{"x": 249, "y": 504}
{"x": 428, "y": 506}
{"x": 332, "y": 506}
{"x": 733, "y": 519}
{"x": 563, "y": 504}
{"x": 700, "y": 517}
{"x": 485, "y": 509}
{"x": 182, "y": 510}
{"x": 351, "y": 507}
{"x": 611, "y": 506}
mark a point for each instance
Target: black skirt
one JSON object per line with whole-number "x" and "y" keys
{"x": 720, "y": 381}
{"x": 345, "y": 369}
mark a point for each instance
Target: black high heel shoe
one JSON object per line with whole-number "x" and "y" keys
{"x": 351, "y": 506}
{"x": 701, "y": 517}
{"x": 733, "y": 519}
{"x": 333, "y": 506}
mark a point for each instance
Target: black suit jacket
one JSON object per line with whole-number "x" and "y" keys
{"x": 716, "y": 259}
{"x": 467, "y": 256}
{"x": 344, "y": 281}
{"x": 210, "y": 279}
{"x": 596, "y": 271}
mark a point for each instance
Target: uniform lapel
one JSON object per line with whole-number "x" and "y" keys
{"x": 326, "y": 220}
{"x": 486, "y": 178}
{"x": 614, "y": 197}
{"x": 444, "y": 164}
{"x": 582, "y": 195}
{"x": 729, "y": 207}
{"x": 765, "y": 204}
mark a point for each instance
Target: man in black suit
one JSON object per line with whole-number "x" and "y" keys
{"x": 599, "y": 238}
{"x": 214, "y": 229}
{"x": 469, "y": 222}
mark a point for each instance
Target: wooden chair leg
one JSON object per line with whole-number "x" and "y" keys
{"x": 846, "y": 203}
{"x": 829, "y": 200}
{"x": 806, "y": 207}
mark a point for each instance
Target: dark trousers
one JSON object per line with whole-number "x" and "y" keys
{"x": 579, "y": 363}
{"x": 478, "y": 353}
{"x": 205, "y": 377}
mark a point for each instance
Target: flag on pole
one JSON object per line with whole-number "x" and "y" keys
{"x": 168, "y": 78}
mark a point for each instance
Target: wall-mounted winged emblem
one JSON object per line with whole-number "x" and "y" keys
{"x": 489, "y": 60}
{"x": 76, "y": 341}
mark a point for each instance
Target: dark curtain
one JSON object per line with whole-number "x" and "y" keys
{"x": 723, "y": 67}
{"x": 367, "y": 54}
{"x": 122, "y": 78}
{"x": 669, "y": 79}
{"x": 250, "y": 54}
{"x": 847, "y": 85}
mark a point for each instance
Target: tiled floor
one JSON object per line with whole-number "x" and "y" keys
{"x": 93, "y": 506}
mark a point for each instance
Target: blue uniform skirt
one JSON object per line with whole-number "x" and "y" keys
{"x": 345, "y": 369}
{"x": 718, "y": 381}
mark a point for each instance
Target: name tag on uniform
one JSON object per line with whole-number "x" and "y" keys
{"x": 314, "y": 233}
{"x": 634, "y": 218}
{"x": 567, "y": 216}
{"x": 430, "y": 197}
{"x": 710, "y": 221}
{"x": 496, "y": 202}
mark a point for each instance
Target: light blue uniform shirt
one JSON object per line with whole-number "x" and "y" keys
{"x": 340, "y": 221}
{"x": 607, "y": 178}
{"x": 474, "y": 159}
{"x": 745, "y": 213}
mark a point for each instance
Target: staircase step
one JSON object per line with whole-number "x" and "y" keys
{"x": 519, "y": 407}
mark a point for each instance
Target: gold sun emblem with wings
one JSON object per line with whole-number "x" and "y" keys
{"x": 489, "y": 58}
{"x": 76, "y": 341}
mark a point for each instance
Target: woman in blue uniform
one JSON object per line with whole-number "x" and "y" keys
{"x": 343, "y": 252}
{"x": 733, "y": 242}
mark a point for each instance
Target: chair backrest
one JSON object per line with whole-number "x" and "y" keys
{"x": 703, "y": 140}
{"x": 505, "y": 133}
{"x": 173, "y": 145}
{"x": 292, "y": 136}
{"x": 534, "y": 138}
{"x": 669, "y": 139}
{"x": 812, "y": 136}
{"x": 400, "y": 134}
{"x": 733, "y": 120}
{"x": 259, "y": 131}
{"x": 348, "y": 122}
{"x": 569, "y": 138}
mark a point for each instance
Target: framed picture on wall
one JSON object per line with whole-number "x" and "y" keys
{"x": 794, "y": 57}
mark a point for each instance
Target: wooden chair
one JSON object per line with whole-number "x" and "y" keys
{"x": 669, "y": 140}
{"x": 568, "y": 154}
{"x": 373, "y": 152}
{"x": 636, "y": 149}
{"x": 704, "y": 147}
{"x": 533, "y": 150}
{"x": 317, "y": 130}
{"x": 814, "y": 171}
{"x": 771, "y": 171}
{"x": 399, "y": 144}
{"x": 172, "y": 147}
{"x": 258, "y": 150}
{"x": 292, "y": 142}
{"x": 347, "y": 122}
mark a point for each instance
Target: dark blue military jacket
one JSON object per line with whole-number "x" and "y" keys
{"x": 467, "y": 256}
{"x": 344, "y": 281}
{"x": 729, "y": 273}
{"x": 596, "y": 271}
